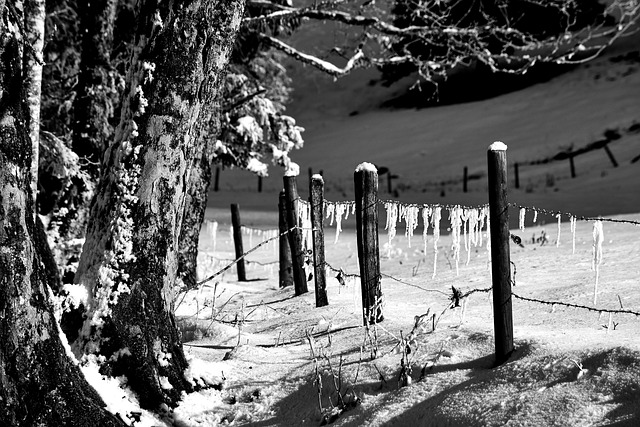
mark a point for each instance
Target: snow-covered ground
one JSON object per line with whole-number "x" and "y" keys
{"x": 571, "y": 366}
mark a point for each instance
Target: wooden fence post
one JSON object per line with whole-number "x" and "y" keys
{"x": 295, "y": 236}
{"x": 286, "y": 269}
{"x": 517, "y": 167}
{"x": 572, "y": 165}
{"x": 500, "y": 256}
{"x": 216, "y": 181}
{"x": 366, "y": 189}
{"x": 465, "y": 178}
{"x": 610, "y": 154}
{"x": 316, "y": 191}
{"x": 259, "y": 184}
{"x": 237, "y": 241}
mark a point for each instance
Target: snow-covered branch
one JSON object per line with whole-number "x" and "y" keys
{"x": 321, "y": 64}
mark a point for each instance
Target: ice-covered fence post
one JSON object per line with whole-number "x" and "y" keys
{"x": 465, "y": 178}
{"x": 516, "y": 167}
{"x": 366, "y": 189}
{"x": 237, "y": 241}
{"x": 286, "y": 269}
{"x": 316, "y": 191}
{"x": 295, "y": 236}
{"x": 500, "y": 259}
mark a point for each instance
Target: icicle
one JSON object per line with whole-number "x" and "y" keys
{"x": 392, "y": 221}
{"x": 482, "y": 220}
{"x": 523, "y": 211}
{"x": 455, "y": 217}
{"x": 535, "y": 216}
{"x": 598, "y": 238}
{"x": 573, "y": 233}
{"x": 353, "y": 208}
{"x": 410, "y": 214}
{"x": 331, "y": 211}
{"x": 559, "y": 216}
{"x": 426, "y": 212}
{"x": 435, "y": 221}
{"x": 250, "y": 230}
{"x": 340, "y": 207}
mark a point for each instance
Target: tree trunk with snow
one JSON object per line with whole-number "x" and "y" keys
{"x": 39, "y": 383}
{"x": 33, "y": 59}
{"x": 131, "y": 255}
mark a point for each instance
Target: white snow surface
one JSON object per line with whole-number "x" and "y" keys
{"x": 366, "y": 167}
{"x": 498, "y": 146}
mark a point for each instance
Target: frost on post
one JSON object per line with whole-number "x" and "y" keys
{"x": 598, "y": 238}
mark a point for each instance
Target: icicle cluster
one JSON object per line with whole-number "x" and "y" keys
{"x": 411, "y": 215}
{"x": 598, "y": 238}
{"x": 335, "y": 211}
{"x": 466, "y": 227}
{"x": 303, "y": 213}
{"x": 392, "y": 220}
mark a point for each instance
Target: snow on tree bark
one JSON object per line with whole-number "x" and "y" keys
{"x": 33, "y": 59}
{"x": 130, "y": 259}
{"x": 39, "y": 383}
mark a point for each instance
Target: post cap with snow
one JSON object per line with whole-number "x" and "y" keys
{"x": 498, "y": 146}
{"x": 366, "y": 167}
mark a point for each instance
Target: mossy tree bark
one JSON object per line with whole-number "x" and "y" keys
{"x": 39, "y": 383}
{"x": 130, "y": 259}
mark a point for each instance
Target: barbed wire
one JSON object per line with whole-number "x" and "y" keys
{"x": 570, "y": 215}
{"x": 578, "y": 306}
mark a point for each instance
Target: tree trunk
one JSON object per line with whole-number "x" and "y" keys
{"x": 39, "y": 383}
{"x": 33, "y": 59}
{"x": 93, "y": 105}
{"x": 130, "y": 259}
{"x": 194, "y": 211}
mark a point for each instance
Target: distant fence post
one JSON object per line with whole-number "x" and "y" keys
{"x": 237, "y": 241}
{"x": 465, "y": 178}
{"x": 316, "y": 190}
{"x": 259, "y": 184}
{"x": 500, "y": 257}
{"x": 610, "y": 154}
{"x": 572, "y": 165}
{"x": 286, "y": 269}
{"x": 366, "y": 189}
{"x": 516, "y": 167}
{"x": 295, "y": 236}
{"x": 216, "y": 181}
